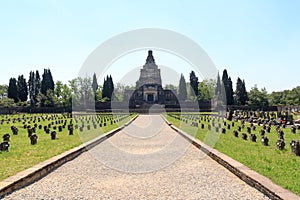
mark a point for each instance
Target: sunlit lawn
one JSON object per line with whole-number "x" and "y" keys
{"x": 22, "y": 154}
{"x": 282, "y": 167}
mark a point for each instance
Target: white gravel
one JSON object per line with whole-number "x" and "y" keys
{"x": 146, "y": 160}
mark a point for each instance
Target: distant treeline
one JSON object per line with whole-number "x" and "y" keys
{"x": 82, "y": 91}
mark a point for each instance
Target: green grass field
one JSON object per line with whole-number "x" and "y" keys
{"x": 22, "y": 154}
{"x": 282, "y": 167}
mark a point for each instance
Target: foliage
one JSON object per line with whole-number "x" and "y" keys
{"x": 34, "y": 87}
{"x": 174, "y": 88}
{"x": 80, "y": 91}
{"x": 194, "y": 84}
{"x": 63, "y": 94}
{"x": 12, "y": 91}
{"x": 108, "y": 88}
{"x": 227, "y": 83}
{"x": 22, "y": 88}
{"x": 99, "y": 93}
{"x": 58, "y": 89}
{"x": 286, "y": 97}
{"x": 218, "y": 91}
{"x": 241, "y": 92}
{"x": 84, "y": 86}
{"x": 75, "y": 95}
{"x": 206, "y": 90}
{"x": 83, "y": 91}
{"x": 182, "y": 92}
{"x": 95, "y": 86}
{"x": 7, "y": 102}
{"x": 47, "y": 82}
{"x": 258, "y": 98}
{"x": 220, "y": 96}
{"x": 66, "y": 97}
{"x": 48, "y": 100}
{"x": 119, "y": 92}
{"x": 3, "y": 91}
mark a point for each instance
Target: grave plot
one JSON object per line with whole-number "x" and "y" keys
{"x": 261, "y": 143}
{"x": 28, "y": 139}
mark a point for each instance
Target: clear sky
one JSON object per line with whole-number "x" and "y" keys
{"x": 258, "y": 41}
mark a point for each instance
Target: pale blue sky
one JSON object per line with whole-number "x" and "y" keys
{"x": 258, "y": 41}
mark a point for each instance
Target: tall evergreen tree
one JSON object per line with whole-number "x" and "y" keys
{"x": 220, "y": 92}
{"x": 47, "y": 82}
{"x": 32, "y": 96}
{"x": 230, "y": 100}
{"x": 227, "y": 83}
{"x": 218, "y": 87}
{"x": 108, "y": 87}
{"x": 245, "y": 93}
{"x": 12, "y": 91}
{"x": 105, "y": 89}
{"x": 111, "y": 87}
{"x": 22, "y": 88}
{"x": 37, "y": 84}
{"x": 182, "y": 93}
{"x": 34, "y": 87}
{"x": 241, "y": 93}
{"x": 95, "y": 86}
{"x": 194, "y": 83}
{"x": 225, "y": 78}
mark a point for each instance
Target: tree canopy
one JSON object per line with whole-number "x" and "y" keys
{"x": 194, "y": 83}
{"x": 22, "y": 88}
{"x": 227, "y": 83}
{"x": 108, "y": 88}
{"x": 12, "y": 91}
{"x": 47, "y": 82}
{"x": 241, "y": 92}
{"x": 81, "y": 91}
{"x": 258, "y": 97}
{"x": 182, "y": 92}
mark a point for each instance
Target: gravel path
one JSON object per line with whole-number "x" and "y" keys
{"x": 146, "y": 160}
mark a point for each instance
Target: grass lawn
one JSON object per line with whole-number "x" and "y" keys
{"x": 22, "y": 154}
{"x": 282, "y": 167}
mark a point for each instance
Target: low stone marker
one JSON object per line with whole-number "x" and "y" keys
{"x": 33, "y": 139}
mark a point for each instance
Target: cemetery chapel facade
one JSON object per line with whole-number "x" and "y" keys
{"x": 149, "y": 88}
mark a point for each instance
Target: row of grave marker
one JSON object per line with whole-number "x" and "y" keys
{"x": 280, "y": 143}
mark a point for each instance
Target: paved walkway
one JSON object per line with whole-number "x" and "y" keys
{"x": 146, "y": 160}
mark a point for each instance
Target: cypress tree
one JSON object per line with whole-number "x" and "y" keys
{"x": 241, "y": 93}
{"x": 229, "y": 96}
{"x": 47, "y": 82}
{"x": 227, "y": 83}
{"x": 194, "y": 83}
{"x": 12, "y": 91}
{"x": 94, "y": 85}
{"x": 182, "y": 93}
{"x": 22, "y": 88}
{"x": 34, "y": 86}
{"x": 37, "y": 84}
{"x": 218, "y": 87}
{"x": 110, "y": 87}
{"x": 245, "y": 94}
{"x": 32, "y": 96}
{"x": 219, "y": 91}
{"x": 105, "y": 89}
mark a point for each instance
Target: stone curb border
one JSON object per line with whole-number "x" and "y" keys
{"x": 40, "y": 170}
{"x": 252, "y": 178}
